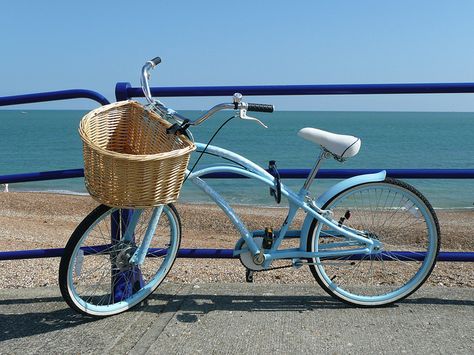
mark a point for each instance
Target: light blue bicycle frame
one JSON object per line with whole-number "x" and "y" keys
{"x": 296, "y": 201}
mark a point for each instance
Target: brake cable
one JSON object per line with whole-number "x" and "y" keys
{"x": 207, "y": 145}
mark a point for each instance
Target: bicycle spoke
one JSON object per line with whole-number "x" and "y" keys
{"x": 100, "y": 270}
{"x": 392, "y": 214}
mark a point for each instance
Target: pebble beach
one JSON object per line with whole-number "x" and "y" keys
{"x": 45, "y": 220}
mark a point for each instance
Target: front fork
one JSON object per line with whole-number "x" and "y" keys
{"x": 126, "y": 282}
{"x": 138, "y": 257}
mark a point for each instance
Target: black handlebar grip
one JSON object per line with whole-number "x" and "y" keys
{"x": 156, "y": 61}
{"x": 260, "y": 108}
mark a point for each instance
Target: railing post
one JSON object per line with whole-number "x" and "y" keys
{"x": 124, "y": 91}
{"x": 121, "y": 91}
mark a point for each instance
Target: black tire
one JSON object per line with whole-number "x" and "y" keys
{"x": 342, "y": 277}
{"x": 103, "y": 263}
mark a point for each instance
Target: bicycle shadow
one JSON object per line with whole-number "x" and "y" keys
{"x": 54, "y": 315}
{"x": 437, "y": 301}
{"x": 28, "y": 318}
{"x": 189, "y": 307}
{"x": 206, "y": 303}
{"x": 27, "y": 323}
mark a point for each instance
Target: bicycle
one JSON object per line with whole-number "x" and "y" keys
{"x": 369, "y": 240}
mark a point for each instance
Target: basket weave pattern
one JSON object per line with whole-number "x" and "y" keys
{"x": 129, "y": 159}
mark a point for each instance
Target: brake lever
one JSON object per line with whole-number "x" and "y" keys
{"x": 243, "y": 115}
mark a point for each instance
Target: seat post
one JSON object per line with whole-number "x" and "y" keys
{"x": 309, "y": 180}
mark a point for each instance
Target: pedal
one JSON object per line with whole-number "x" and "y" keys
{"x": 249, "y": 275}
{"x": 268, "y": 238}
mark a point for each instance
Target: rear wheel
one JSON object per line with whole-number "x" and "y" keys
{"x": 95, "y": 276}
{"x": 395, "y": 214}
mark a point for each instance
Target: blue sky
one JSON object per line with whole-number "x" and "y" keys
{"x": 54, "y": 45}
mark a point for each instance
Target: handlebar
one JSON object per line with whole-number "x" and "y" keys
{"x": 155, "y": 61}
{"x": 237, "y": 103}
{"x": 260, "y": 108}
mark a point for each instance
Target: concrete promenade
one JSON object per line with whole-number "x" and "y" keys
{"x": 241, "y": 319}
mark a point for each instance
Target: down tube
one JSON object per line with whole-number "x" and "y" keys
{"x": 222, "y": 203}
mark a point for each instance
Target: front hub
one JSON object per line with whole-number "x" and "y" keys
{"x": 122, "y": 253}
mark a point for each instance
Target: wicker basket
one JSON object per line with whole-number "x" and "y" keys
{"x": 129, "y": 159}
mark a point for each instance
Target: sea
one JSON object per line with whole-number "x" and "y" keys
{"x": 45, "y": 140}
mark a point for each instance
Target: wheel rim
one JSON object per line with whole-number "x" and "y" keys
{"x": 402, "y": 222}
{"x": 101, "y": 282}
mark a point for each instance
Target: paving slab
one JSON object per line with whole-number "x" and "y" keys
{"x": 219, "y": 318}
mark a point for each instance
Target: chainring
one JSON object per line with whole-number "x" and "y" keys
{"x": 246, "y": 257}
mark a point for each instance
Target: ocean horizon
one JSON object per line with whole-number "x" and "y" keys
{"x": 45, "y": 140}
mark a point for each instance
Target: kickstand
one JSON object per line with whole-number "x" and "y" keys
{"x": 249, "y": 275}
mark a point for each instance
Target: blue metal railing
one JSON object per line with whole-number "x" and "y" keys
{"x": 208, "y": 253}
{"x": 124, "y": 91}
{"x": 53, "y": 96}
{"x": 284, "y": 173}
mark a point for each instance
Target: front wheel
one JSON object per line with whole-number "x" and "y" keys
{"x": 95, "y": 275}
{"x": 392, "y": 213}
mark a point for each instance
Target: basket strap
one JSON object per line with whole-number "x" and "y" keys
{"x": 179, "y": 128}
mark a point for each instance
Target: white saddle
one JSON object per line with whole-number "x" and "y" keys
{"x": 340, "y": 145}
